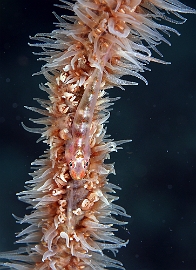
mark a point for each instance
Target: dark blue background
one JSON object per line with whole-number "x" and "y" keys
{"x": 157, "y": 171}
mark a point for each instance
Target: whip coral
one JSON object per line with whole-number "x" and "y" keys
{"x": 72, "y": 201}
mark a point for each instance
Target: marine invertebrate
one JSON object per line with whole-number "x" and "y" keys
{"x": 72, "y": 217}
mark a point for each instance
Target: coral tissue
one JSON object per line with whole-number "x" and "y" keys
{"x": 72, "y": 222}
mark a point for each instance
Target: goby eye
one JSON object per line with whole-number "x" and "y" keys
{"x": 86, "y": 164}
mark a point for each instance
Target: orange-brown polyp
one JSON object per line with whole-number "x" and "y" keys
{"x": 73, "y": 221}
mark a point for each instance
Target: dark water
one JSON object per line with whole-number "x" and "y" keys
{"x": 157, "y": 171}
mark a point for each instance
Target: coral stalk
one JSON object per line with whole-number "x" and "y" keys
{"x": 73, "y": 213}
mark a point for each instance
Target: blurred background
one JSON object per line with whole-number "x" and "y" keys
{"x": 157, "y": 170}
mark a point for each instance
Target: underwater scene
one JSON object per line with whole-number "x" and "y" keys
{"x": 156, "y": 171}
